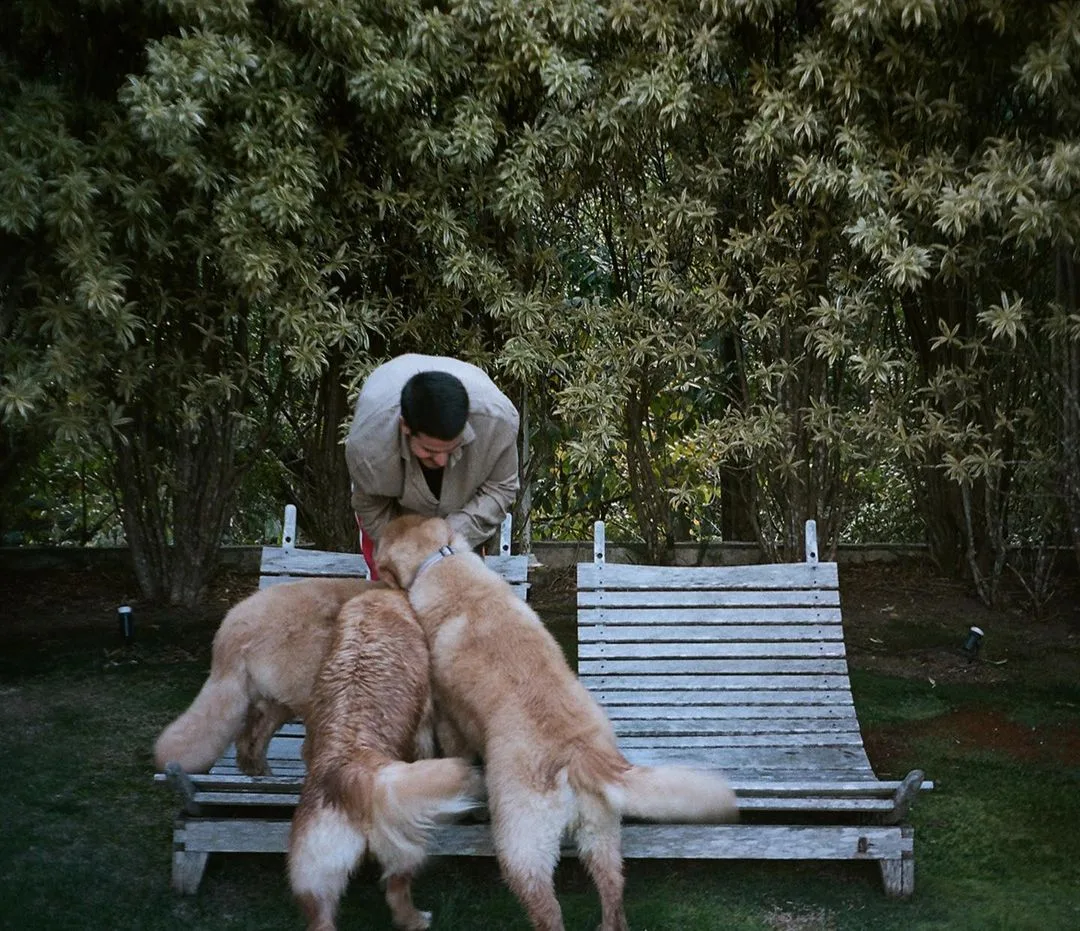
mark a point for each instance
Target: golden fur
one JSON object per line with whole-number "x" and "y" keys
{"x": 361, "y": 793}
{"x": 266, "y": 655}
{"x": 551, "y": 763}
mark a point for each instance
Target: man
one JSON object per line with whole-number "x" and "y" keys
{"x": 432, "y": 435}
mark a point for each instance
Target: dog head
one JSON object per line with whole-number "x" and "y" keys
{"x": 409, "y": 540}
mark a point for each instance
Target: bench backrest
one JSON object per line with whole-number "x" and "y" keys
{"x": 288, "y": 562}
{"x": 738, "y": 667}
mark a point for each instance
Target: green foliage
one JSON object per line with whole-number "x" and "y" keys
{"x": 60, "y": 498}
{"x": 743, "y": 263}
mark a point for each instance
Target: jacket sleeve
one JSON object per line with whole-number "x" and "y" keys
{"x": 482, "y": 516}
{"x": 374, "y": 511}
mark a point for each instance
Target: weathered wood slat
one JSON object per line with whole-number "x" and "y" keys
{"x": 207, "y": 782}
{"x": 280, "y": 749}
{"x": 235, "y": 835}
{"x": 804, "y": 801}
{"x": 774, "y": 788}
{"x": 722, "y": 741}
{"x": 639, "y": 841}
{"x": 271, "y": 799}
{"x": 827, "y": 729}
{"x": 306, "y": 563}
{"x": 302, "y": 563}
{"x": 679, "y": 841}
{"x": 521, "y": 589}
{"x": 722, "y": 715}
{"x": 721, "y": 700}
{"x": 781, "y": 666}
{"x": 717, "y": 841}
{"x": 707, "y": 598}
{"x": 292, "y": 769}
{"x": 846, "y": 763}
{"x": 758, "y": 578}
{"x": 511, "y": 568}
{"x": 801, "y": 648}
{"x": 746, "y": 787}
{"x": 740, "y": 764}
{"x": 764, "y": 842}
{"x": 714, "y": 618}
{"x": 736, "y": 676}
{"x": 806, "y": 804}
{"x": 612, "y": 634}
{"x": 789, "y": 805}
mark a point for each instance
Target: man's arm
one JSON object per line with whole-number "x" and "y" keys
{"x": 482, "y": 516}
{"x": 374, "y": 511}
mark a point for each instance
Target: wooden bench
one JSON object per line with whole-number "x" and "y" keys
{"x": 226, "y": 811}
{"x": 742, "y": 669}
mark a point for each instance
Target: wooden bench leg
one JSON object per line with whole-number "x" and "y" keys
{"x": 899, "y": 875}
{"x": 187, "y": 870}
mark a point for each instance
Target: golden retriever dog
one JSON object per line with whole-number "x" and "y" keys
{"x": 551, "y": 764}
{"x": 266, "y": 655}
{"x": 363, "y": 792}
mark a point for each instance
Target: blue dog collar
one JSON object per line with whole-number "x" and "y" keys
{"x": 441, "y": 553}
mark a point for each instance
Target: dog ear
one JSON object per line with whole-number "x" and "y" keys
{"x": 388, "y": 575}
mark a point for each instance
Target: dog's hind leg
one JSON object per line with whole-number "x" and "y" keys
{"x": 324, "y": 848}
{"x": 263, "y": 719}
{"x": 527, "y": 833}
{"x": 404, "y": 913}
{"x": 598, "y": 834}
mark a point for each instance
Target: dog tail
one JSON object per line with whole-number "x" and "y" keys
{"x": 198, "y": 737}
{"x": 673, "y": 793}
{"x": 407, "y": 800}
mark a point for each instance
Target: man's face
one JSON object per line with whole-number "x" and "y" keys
{"x": 432, "y": 453}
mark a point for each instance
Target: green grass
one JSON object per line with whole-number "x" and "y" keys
{"x": 86, "y": 834}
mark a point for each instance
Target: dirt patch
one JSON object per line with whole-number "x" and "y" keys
{"x": 972, "y": 729}
{"x": 902, "y": 620}
{"x": 49, "y": 603}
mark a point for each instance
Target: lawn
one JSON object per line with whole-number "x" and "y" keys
{"x": 87, "y": 833}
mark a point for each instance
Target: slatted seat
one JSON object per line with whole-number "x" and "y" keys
{"x": 287, "y": 563}
{"x": 227, "y": 811}
{"x": 742, "y": 669}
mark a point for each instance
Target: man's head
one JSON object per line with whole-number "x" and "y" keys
{"x": 434, "y": 409}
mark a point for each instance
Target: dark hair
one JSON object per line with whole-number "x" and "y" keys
{"x": 435, "y": 404}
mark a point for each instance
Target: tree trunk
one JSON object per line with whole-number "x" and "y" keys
{"x": 651, "y": 509}
{"x": 143, "y": 512}
{"x": 736, "y": 505}
{"x": 318, "y": 482}
{"x": 185, "y": 487}
{"x": 206, "y": 477}
{"x": 1068, "y": 293}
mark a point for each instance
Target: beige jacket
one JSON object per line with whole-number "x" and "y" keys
{"x": 480, "y": 482}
